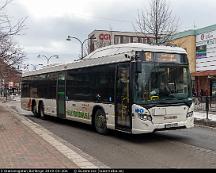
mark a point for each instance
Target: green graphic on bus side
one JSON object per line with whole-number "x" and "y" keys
{"x": 61, "y": 93}
{"x": 78, "y": 114}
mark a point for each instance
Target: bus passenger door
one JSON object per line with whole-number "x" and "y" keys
{"x": 122, "y": 105}
{"x": 61, "y": 95}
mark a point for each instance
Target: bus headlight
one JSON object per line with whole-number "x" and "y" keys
{"x": 145, "y": 117}
{"x": 141, "y": 113}
{"x": 189, "y": 114}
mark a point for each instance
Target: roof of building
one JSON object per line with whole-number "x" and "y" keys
{"x": 194, "y": 32}
{"x": 184, "y": 34}
{"x": 206, "y": 29}
{"x": 121, "y": 33}
{"x": 105, "y": 55}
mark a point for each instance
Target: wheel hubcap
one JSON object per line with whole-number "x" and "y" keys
{"x": 34, "y": 109}
{"x": 100, "y": 122}
{"x": 41, "y": 112}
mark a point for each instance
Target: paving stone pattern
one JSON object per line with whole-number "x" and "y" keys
{"x": 20, "y": 147}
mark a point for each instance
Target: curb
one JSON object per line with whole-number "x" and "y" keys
{"x": 205, "y": 123}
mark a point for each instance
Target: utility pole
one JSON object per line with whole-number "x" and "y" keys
{"x": 81, "y": 42}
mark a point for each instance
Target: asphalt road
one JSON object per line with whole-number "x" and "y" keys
{"x": 186, "y": 148}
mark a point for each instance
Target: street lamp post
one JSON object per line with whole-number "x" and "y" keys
{"x": 81, "y": 42}
{"x": 23, "y": 67}
{"x": 35, "y": 66}
{"x": 48, "y": 58}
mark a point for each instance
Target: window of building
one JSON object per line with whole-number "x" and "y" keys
{"x": 126, "y": 39}
{"x": 117, "y": 39}
{"x": 142, "y": 40}
{"x": 150, "y": 40}
{"x": 135, "y": 39}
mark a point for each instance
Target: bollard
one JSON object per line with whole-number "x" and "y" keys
{"x": 207, "y": 107}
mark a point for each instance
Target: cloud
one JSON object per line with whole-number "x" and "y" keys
{"x": 47, "y": 34}
{"x": 55, "y": 8}
{"x": 50, "y": 21}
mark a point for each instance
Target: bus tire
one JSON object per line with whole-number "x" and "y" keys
{"x": 100, "y": 123}
{"x": 41, "y": 111}
{"x": 34, "y": 109}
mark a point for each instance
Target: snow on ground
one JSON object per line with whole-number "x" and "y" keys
{"x": 203, "y": 115}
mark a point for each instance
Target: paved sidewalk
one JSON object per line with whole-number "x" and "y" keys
{"x": 20, "y": 147}
{"x": 203, "y": 115}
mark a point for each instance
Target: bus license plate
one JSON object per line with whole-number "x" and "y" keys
{"x": 171, "y": 125}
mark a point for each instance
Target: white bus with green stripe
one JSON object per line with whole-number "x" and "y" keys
{"x": 134, "y": 88}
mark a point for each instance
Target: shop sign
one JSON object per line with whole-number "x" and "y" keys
{"x": 206, "y": 51}
{"x": 104, "y": 37}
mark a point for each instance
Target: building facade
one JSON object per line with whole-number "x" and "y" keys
{"x": 10, "y": 79}
{"x": 201, "y": 47}
{"x": 105, "y": 38}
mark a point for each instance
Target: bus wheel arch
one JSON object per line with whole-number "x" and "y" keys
{"x": 99, "y": 120}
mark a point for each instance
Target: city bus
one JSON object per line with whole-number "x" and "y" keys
{"x": 134, "y": 88}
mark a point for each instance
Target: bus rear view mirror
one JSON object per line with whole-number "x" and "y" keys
{"x": 138, "y": 65}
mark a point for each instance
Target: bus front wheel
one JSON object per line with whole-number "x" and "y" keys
{"x": 100, "y": 122}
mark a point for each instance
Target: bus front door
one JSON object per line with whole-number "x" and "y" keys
{"x": 61, "y": 95}
{"x": 123, "y": 116}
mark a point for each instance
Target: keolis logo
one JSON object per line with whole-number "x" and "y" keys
{"x": 140, "y": 111}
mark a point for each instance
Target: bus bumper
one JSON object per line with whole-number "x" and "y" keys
{"x": 149, "y": 127}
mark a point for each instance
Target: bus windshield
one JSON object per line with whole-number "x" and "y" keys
{"x": 162, "y": 82}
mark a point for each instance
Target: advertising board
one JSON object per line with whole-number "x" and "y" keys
{"x": 206, "y": 51}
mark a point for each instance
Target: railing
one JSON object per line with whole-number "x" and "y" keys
{"x": 206, "y": 104}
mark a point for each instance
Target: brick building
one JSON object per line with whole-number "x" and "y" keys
{"x": 10, "y": 79}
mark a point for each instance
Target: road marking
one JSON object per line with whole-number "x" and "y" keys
{"x": 59, "y": 144}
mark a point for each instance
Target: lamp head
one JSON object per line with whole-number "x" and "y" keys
{"x": 56, "y": 56}
{"x": 68, "y": 38}
{"x": 92, "y": 38}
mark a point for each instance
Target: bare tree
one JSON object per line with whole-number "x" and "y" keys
{"x": 158, "y": 21}
{"x": 11, "y": 55}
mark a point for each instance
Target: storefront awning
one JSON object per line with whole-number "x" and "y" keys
{"x": 205, "y": 73}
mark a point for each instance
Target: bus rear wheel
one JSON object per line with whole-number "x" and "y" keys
{"x": 34, "y": 110}
{"x": 41, "y": 111}
{"x": 100, "y": 123}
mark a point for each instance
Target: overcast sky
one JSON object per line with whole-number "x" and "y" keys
{"x": 50, "y": 21}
